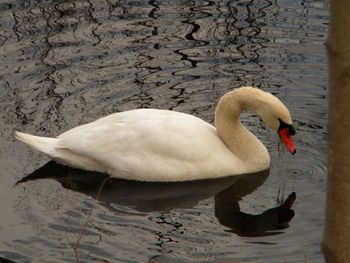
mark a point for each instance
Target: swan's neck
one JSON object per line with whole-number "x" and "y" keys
{"x": 233, "y": 133}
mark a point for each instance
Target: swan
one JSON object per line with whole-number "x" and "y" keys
{"x": 163, "y": 145}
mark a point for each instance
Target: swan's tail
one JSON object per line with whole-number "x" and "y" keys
{"x": 43, "y": 144}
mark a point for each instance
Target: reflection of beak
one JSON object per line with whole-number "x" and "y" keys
{"x": 285, "y": 213}
{"x": 287, "y": 140}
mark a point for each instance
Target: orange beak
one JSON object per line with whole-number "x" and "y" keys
{"x": 287, "y": 140}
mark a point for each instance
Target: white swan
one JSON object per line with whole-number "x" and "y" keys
{"x": 162, "y": 145}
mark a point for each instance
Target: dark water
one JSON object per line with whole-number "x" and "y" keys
{"x": 64, "y": 63}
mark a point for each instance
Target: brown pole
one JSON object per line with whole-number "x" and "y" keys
{"x": 336, "y": 243}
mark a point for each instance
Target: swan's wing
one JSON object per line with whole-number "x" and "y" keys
{"x": 139, "y": 132}
{"x": 146, "y": 144}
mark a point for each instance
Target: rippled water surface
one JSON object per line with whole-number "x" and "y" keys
{"x": 65, "y": 63}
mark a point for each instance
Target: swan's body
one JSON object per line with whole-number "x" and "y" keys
{"x": 162, "y": 145}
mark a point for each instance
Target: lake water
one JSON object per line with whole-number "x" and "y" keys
{"x": 65, "y": 63}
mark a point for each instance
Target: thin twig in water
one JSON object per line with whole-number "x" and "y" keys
{"x": 84, "y": 225}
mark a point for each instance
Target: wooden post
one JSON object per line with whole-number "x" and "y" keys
{"x": 336, "y": 243}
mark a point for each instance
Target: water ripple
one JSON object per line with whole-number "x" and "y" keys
{"x": 64, "y": 63}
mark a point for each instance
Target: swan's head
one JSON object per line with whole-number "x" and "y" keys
{"x": 276, "y": 115}
{"x": 270, "y": 109}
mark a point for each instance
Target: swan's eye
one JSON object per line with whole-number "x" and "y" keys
{"x": 291, "y": 130}
{"x": 283, "y": 125}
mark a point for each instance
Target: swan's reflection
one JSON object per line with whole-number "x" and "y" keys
{"x": 146, "y": 196}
